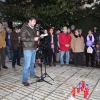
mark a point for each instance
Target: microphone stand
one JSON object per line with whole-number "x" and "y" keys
{"x": 45, "y": 74}
{"x": 41, "y": 79}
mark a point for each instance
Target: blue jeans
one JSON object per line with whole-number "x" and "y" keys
{"x": 62, "y": 57}
{"x": 16, "y": 57}
{"x": 29, "y": 62}
{"x": 9, "y": 52}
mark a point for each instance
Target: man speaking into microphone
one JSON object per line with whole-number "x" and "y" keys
{"x": 30, "y": 40}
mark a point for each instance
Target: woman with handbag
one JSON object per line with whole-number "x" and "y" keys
{"x": 90, "y": 45}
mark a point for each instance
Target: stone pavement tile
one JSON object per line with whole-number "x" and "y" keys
{"x": 60, "y": 96}
{"x": 43, "y": 91}
{"x": 37, "y": 95}
{"x": 15, "y": 96}
{"x": 18, "y": 84}
{"x": 34, "y": 97}
{"x": 94, "y": 99}
{"x": 2, "y": 91}
{"x": 57, "y": 96}
{"x": 2, "y": 94}
{"x": 40, "y": 93}
{"x": 18, "y": 94}
{"x": 12, "y": 87}
{"x": 80, "y": 98}
{"x": 95, "y": 96}
{"x": 28, "y": 98}
{"x": 52, "y": 98}
{"x": 24, "y": 91}
{"x": 60, "y": 91}
{"x": 47, "y": 89}
{"x": 21, "y": 93}
{"x": 10, "y": 98}
{"x": 27, "y": 89}
{"x": 3, "y": 99}
{"x": 48, "y": 99}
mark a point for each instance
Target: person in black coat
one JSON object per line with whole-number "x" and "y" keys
{"x": 51, "y": 46}
{"x": 96, "y": 32}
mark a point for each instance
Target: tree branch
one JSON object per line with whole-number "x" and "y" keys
{"x": 44, "y": 22}
{"x": 60, "y": 12}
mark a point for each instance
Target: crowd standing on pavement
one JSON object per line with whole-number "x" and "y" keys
{"x": 60, "y": 46}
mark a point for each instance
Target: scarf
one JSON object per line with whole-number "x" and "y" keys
{"x": 88, "y": 37}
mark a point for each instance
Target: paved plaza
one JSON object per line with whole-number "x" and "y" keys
{"x": 11, "y": 87}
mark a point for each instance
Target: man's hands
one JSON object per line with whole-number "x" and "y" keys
{"x": 36, "y": 38}
{"x": 42, "y": 36}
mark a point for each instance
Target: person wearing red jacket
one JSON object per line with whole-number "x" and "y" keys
{"x": 64, "y": 41}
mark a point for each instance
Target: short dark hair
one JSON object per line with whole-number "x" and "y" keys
{"x": 31, "y": 18}
{"x": 90, "y": 30}
{"x": 95, "y": 26}
{"x": 9, "y": 27}
{"x": 0, "y": 22}
{"x": 18, "y": 27}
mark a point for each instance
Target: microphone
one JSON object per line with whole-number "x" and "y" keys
{"x": 41, "y": 27}
{"x": 38, "y": 25}
{"x": 43, "y": 35}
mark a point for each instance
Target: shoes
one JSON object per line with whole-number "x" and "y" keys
{"x": 68, "y": 64}
{"x": 34, "y": 66}
{"x": 19, "y": 64}
{"x": 54, "y": 64}
{"x": 35, "y": 76}
{"x": 46, "y": 63}
{"x": 5, "y": 67}
{"x": 61, "y": 65}
{"x": 25, "y": 83}
{"x": 13, "y": 66}
{"x": 76, "y": 65}
{"x": 50, "y": 64}
{"x": 10, "y": 60}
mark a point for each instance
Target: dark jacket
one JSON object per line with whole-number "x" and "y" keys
{"x": 48, "y": 43}
{"x": 96, "y": 34}
{"x": 27, "y": 36}
{"x": 7, "y": 37}
{"x": 14, "y": 40}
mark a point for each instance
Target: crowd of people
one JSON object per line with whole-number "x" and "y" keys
{"x": 60, "y": 46}
{"x": 72, "y": 45}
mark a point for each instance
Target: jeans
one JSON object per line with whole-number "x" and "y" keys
{"x": 29, "y": 62}
{"x": 9, "y": 52}
{"x": 62, "y": 57}
{"x": 16, "y": 57}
